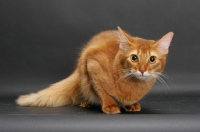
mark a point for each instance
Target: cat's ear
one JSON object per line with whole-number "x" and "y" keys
{"x": 164, "y": 43}
{"x": 124, "y": 42}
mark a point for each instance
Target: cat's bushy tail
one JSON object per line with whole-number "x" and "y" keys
{"x": 65, "y": 92}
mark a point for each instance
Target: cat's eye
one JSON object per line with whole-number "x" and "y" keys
{"x": 152, "y": 59}
{"x": 134, "y": 58}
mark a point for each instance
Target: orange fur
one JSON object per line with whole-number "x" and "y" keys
{"x": 114, "y": 69}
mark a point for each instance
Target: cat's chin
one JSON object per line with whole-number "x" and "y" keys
{"x": 140, "y": 77}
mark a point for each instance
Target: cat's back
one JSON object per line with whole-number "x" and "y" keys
{"x": 104, "y": 37}
{"x": 104, "y": 42}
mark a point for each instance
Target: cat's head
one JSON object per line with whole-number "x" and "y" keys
{"x": 141, "y": 58}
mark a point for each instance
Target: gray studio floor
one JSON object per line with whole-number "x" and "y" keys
{"x": 166, "y": 108}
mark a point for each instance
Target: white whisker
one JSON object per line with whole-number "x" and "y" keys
{"x": 122, "y": 71}
{"x": 159, "y": 76}
{"x": 164, "y": 75}
{"x": 128, "y": 77}
{"x": 127, "y": 73}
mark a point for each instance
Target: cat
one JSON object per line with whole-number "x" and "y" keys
{"x": 114, "y": 70}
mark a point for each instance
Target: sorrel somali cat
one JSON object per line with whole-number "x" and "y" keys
{"x": 114, "y": 69}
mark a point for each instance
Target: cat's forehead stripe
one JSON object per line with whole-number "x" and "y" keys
{"x": 141, "y": 51}
{"x": 133, "y": 52}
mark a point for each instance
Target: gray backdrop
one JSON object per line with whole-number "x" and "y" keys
{"x": 40, "y": 40}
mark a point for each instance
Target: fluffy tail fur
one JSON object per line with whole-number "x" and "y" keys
{"x": 65, "y": 92}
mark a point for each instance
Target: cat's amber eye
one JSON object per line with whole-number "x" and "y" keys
{"x": 152, "y": 59}
{"x": 134, "y": 58}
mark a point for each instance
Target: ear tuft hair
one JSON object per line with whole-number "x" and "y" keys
{"x": 164, "y": 43}
{"x": 124, "y": 42}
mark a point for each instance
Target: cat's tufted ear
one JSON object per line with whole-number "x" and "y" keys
{"x": 163, "y": 44}
{"x": 124, "y": 39}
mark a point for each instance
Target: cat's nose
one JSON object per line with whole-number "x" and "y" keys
{"x": 142, "y": 71}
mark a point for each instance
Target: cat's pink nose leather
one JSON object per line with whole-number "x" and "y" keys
{"x": 142, "y": 71}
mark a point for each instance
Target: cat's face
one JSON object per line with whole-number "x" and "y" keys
{"x": 144, "y": 62}
{"x": 144, "y": 59}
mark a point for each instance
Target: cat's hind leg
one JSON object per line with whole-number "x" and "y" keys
{"x": 85, "y": 104}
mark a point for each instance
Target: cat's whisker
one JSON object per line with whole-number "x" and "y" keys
{"x": 164, "y": 75}
{"x": 160, "y": 79}
{"x": 128, "y": 75}
{"x": 157, "y": 82}
{"x": 122, "y": 77}
{"x": 122, "y": 71}
{"x": 126, "y": 71}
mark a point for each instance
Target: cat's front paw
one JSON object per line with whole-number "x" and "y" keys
{"x": 133, "y": 108}
{"x": 111, "y": 109}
